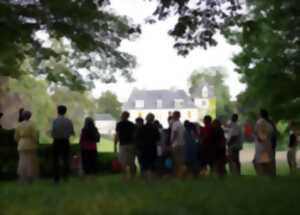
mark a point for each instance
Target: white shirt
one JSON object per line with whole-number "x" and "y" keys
{"x": 263, "y": 145}
{"x": 177, "y": 127}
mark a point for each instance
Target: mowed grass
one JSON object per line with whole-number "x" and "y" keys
{"x": 105, "y": 145}
{"x": 110, "y": 195}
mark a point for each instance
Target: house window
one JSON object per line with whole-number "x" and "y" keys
{"x": 139, "y": 103}
{"x": 159, "y": 103}
{"x": 179, "y": 103}
{"x": 204, "y": 92}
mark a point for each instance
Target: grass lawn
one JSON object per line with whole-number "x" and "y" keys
{"x": 105, "y": 145}
{"x": 110, "y": 195}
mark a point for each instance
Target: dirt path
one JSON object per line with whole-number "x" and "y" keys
{"x": 247, "y": 155}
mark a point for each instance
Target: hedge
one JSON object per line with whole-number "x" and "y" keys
{"x": 9, "y": 158}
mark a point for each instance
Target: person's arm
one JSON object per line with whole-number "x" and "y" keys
{"x": 116, "y": 140}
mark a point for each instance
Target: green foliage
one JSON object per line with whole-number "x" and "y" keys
{"x": 94, "y": 34}
{"x": 214, "y": 76}
{"x": 269, "y": 62}
{"x": 108, "y": 103}
{"x": 35, "y": 97}
{"x": 198, "y": 21}
{"x": 80, "y": 105}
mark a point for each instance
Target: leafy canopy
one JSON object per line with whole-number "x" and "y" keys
{"x": 108, "y": 103}
{"x": 93, "y": 32}
{"x": 213, "y": 76}
{"x": 269, "y": 62}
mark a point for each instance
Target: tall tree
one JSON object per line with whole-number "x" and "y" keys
{"x": 92, "y": 31}
{"x": 213, "y": 76}
{"x": 269, "y": 63}
{"x": 108, "y": 103}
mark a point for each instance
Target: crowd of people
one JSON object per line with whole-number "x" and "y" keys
{"x": 192, "y": 149}
{"x": 182, "y": 149}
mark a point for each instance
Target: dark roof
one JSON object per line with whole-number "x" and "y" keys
{"x": 196, "y": 92}
{"x": 150, "y": 98}
{"x": 103, "y": 117}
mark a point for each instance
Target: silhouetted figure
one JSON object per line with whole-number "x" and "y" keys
{"x": 150, "y": 137}
{"x": 219, "y": 149}
{"x": 62, "y": 130}
{"x": 263, "y": 145}
{"x": 26, "y": 136}
{"x": 178, "y": 142}
{"x": 138, "y": 139}
{"x": 125, "y": 137}
{"x": 234, "y": 145}
{"x": 88, "y": 144}
{"x": 292, "y": 149}
{"x": 206, "y": 149}
{"x": 1, "y": 115}
{"x": 191, "y": 147}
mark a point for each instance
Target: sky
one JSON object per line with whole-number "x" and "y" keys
{"x": 159, "y": 66}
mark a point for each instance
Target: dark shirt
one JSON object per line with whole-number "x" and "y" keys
{"x": 125, "y": 130}
{"x": 293, "y": 141}
{"x": 149, "y": 138}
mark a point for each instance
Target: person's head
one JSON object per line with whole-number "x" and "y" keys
{"x": 216, "y": 123}
{"x": 61, "y": 110}
{"x": 1, "y": 115}
{"x": 139, "y": 122}
{"x": 234, "y": 117}
{"x": 176, "y": 115}
{"x": 187, "y": 124}
{"x": 21, "y": 110}
{"x": 150, "y": 118}
{"x": 264, "y": 114}
{"x": 125, "y": 115}
{"x": 26, "y": 115}
{"x": 207, "y": 120}
{"x": 89, "y": 122}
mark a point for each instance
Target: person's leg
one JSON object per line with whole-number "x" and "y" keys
{"x": 84, "y": 161}
{"x": 56, "y": 166}
{"x": 94, "y": 155}
{"x": 66, "y": 158}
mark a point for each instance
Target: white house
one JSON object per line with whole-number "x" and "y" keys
{"x": 161, "y": 103}
{"x": 105, "y": 123}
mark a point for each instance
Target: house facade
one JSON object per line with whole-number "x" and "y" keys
{"x": 162, "y": 103}
{"x": 105, "y": 123}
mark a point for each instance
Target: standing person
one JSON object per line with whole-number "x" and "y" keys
{"x": 263, "y": 145}
{"x": 292, "y": 151}
{"x": 160, "y": 145}
{"x": 89, "y": 138}
{"x": 150, "y": 137}
{"x": 191, "y": 147}
{"x": 167, "y": 150}
{"x": 177, "y": 141}
{"x": 62, "y": 130}
{"x": 26, "y": 136}
{"x": 234, "y": 145}
{"x": 218, "y": 149}
{"x": 125, "y": 137}
{"x": 138, "y": 139}
{"x": 205, "y": 150}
